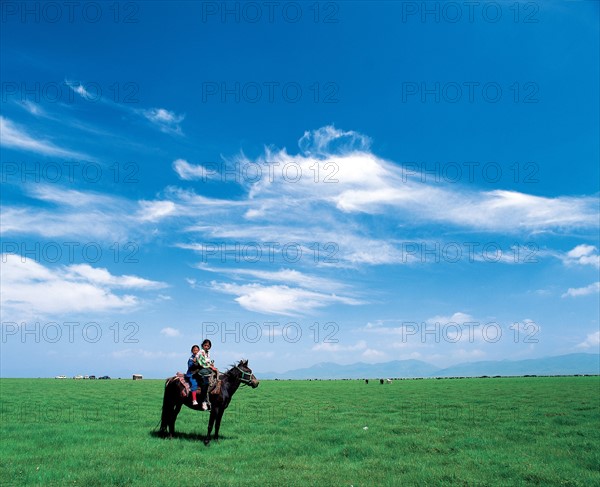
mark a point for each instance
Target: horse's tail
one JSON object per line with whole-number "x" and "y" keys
{"x": 167, "y": 409}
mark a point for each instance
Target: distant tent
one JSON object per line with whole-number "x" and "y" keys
{"x": 137, "y": 377}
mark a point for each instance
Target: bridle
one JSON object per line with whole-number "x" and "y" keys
{"x": 243, "y": 379}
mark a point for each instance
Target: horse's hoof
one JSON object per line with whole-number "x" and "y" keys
{"x": 206, "y": 442}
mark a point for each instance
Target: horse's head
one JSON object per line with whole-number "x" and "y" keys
{"x": 246, "y": 375}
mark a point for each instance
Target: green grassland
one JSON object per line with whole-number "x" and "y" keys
{"x": 475, "y": 432}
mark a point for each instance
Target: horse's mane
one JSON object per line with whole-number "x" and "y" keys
{"x": 233, "y": 366}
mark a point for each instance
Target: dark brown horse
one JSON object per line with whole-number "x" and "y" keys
{"x": 232, "y": 379}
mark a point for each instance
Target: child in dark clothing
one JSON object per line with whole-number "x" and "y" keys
{"x": 193, "y": 367}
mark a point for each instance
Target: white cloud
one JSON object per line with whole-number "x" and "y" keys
{"x": 582, "y": 291}
{"x": 33, "y": 108}
{"x": 170, "y": 332}
{"x": 81, "y": 91}
{"x": 15, "y": 137}
{"x": 156, "y": 210}
{"x": 300, "y": 206}
{"x": 583, "y": 255}
{"x": 372, "y": 354}
{"x": 29, "y": 287}
{"x": 70, "y": 197}
{"x": 329, "y": 140}
{"x": 282, "y": 300}
{"x": 592, "y": 340}
{"x": 164, "y": 119}
{"x": 102, "y": 277}
{"x": 287, "y": 276}
{"x": 189, "y": 203}
{"x": 190, "y": 172}
{"x": 458, "y": 317}
{"x": 70, "y": 213}
{"x": 51, "y": 224}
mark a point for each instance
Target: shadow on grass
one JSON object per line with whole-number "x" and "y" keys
{"x": 188, "y": 436}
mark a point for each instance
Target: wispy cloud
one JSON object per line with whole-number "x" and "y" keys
{"x": 334, "y": 191}
{"x": 102, "y": 277}
{"x": 190, "y": 172}
{"x": 14, "y": 136}
{"x": 329, "y": 140}
{"x": 80, "y": 90}
{"x": 165, "y": 120}
{"x": 70, "y": 213}
{"x": 156, "y": 210}
{"x": 287, "y": 276}
{"x": 34, "y": 109}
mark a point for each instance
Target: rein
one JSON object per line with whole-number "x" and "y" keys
{"x": 243, "y": 379}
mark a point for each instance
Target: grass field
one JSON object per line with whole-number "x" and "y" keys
{"x": 504, "y": 431}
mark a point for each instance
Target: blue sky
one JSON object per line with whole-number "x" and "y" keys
{"x": 333, "y": 181}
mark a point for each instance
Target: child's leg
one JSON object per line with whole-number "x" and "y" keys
{"x": 194, "y": 388}
{"x": 204, "y": 389}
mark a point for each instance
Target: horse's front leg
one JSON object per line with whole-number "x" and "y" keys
{"x": 211, "y": 422}
{"x": 218, "y": 425}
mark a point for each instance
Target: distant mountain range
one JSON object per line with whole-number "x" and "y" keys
{"x": 572, "y": 364}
